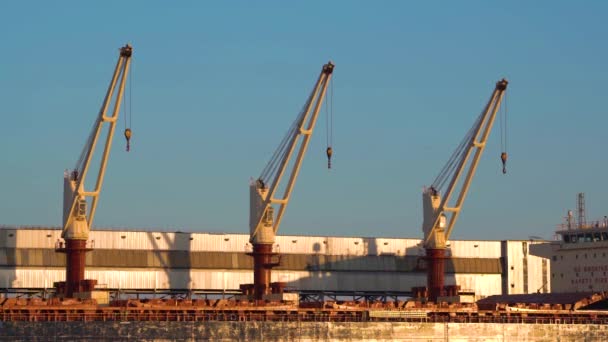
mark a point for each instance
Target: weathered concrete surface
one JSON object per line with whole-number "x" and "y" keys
{"x": 297, "y": 331}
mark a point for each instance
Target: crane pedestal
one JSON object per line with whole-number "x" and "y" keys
{"x": 75, "y": 251}
{"x": 262, "y": 266}
{"x": 435, "y": 272}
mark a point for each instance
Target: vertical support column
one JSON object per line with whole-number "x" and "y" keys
{"x": 262, "y": 266}
{"x": 75, "y": 257}
{"x": 74, "y": 261}
{"x": 435, "y": 267}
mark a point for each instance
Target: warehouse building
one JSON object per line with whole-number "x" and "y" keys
{"x": 123, "y": 259}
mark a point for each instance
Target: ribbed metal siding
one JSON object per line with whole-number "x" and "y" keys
{"x": 232, "y": 260}
{"x": 484, "y": 285}
{"x": 138, "y": 240}
{"x": 29, "y": 238}
{"x": 474, "y": 249}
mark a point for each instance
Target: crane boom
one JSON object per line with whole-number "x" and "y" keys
{"x": 436, "y": 225}
{"x": 434, "y": 220}
{"x": 263, "y": 225}
{"x": 76, "y": 221}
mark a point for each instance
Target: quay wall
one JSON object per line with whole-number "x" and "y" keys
{"x": 298, "y": 331}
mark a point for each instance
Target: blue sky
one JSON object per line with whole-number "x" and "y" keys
{"x": 216, "y": 84}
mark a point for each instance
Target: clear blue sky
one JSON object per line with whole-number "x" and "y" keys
{"x": 216, "y": 85}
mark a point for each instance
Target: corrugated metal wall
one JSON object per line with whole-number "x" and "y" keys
{"x": 105, "y": 239}
{"x": 341, "y": 255}
{"x": 121, "y": 258}
{"x": 483, "y": 285}
{"x": 525, "y": 271}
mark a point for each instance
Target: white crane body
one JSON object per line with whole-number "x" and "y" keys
{"x": 77, "y": 222}
{"x": 439, "y": 217}
{"x": 262, "y": 222}
{"x": 264, "y": 194}
{"x": 439, "y": 213}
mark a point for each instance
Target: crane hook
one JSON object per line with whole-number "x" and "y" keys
{"x": 503, "y": 158}
{"x": 128, "y": 137}
{"x": 329, "y": 152}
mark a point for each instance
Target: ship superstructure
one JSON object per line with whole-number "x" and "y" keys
{"x": 579, "y": 254}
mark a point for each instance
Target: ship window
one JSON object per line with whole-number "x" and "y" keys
{"x": 592, "y": 274}
{"x": 597, "y": 237}
{"x": 567, "y": 238}
{"x": 604, "y": 255}
{"x": 577, "y": 256}
{"x": 555, "y": 258}
{"x": 604, "y": 236}
{"x": 573, "y": 239}
{"x": 594, "y": 255}
{"x": 585, "y": 255}
{"x": 588, "y": 237}
{"x": 562, "y": 275}
{"x": 552, "y": 275}
{"x": 561, "y": 257}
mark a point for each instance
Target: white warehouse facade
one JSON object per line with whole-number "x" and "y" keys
{"x": 156, "y": 260}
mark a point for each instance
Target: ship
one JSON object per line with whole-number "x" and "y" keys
{"x": 185, "y": 286}
{"x": 75, "y": 282}
{"x": 578, "y": 254}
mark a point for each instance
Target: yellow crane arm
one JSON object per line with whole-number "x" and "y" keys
{"x": 263, "y": 225}
{"x": 437, "y": 225}
{"x": 76, "y": 221}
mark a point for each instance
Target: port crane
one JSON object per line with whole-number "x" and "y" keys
{"x": 78, "y": 215}
{"x": 440, "y": 213}
{"x": 264, "y": 191}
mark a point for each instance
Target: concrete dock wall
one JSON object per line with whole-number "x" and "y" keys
{"x": 297, "y": 331}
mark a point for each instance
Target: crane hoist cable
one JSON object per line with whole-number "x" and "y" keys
{"x": 283, "y": 149}
{"x": 83, "y": 155}
{"x": 128, "y": 131}
{"x": 503, "y": 135}
{"x": 457, "y": 156}
{"x": 329, "y": 123}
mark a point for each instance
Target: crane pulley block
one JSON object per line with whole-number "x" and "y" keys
{"x": 128, "y": 134}
{"x": 329, "y": 153}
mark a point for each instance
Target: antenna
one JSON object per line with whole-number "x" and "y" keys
{"x": 582, "y": 220}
